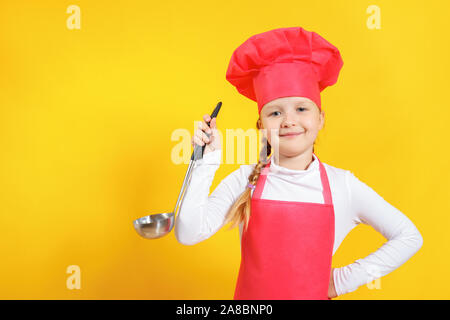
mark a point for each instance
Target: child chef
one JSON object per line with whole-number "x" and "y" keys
{"x": 293, "y": 210}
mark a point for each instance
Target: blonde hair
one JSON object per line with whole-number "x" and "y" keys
{"x": 241, "y": 208}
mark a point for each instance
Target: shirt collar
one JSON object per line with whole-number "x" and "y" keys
{"x": 313, "y": 166}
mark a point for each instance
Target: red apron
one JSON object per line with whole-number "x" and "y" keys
{"x": 287, "y": 248}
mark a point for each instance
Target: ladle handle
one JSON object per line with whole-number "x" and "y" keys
{"x": 186, "y": 180}
{"x": 199, "y": 150}
{"x": 196, "y": 155}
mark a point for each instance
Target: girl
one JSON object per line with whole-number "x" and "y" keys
{"x": 293, "y": 210}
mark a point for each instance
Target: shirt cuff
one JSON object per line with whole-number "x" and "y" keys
{"x": 211, "y": 158}
{"x": 348, "y": 279}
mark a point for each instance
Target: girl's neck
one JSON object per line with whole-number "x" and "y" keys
{"x": 298, "y": 162}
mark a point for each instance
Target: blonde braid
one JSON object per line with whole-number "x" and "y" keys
{"x": 240, "y": 210}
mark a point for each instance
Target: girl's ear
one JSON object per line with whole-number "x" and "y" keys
{"x": 322, "y": 119}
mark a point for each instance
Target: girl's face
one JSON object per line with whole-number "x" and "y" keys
{"x": 291, "y": 114}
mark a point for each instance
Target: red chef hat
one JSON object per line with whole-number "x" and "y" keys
{"x": 284, "y": 62}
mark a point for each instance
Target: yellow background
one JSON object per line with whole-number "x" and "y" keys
{"x": 86, "y": 118}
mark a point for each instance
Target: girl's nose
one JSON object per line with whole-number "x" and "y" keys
{"x": 288, "y": 120}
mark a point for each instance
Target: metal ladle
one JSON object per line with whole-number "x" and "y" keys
{"x": 155, "y": 226}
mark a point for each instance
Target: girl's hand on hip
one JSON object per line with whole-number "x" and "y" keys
{"x": 331, "y": 288}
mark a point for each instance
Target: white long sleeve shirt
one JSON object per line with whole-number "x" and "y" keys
{"x": 354, "y": 202}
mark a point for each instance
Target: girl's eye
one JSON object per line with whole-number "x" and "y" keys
{"x": 303, "y": 109}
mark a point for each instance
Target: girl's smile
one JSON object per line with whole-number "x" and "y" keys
{"x": 290, "y": 134}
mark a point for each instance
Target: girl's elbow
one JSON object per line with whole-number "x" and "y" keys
{"x": 415, "y": 238}
{"x": 419, "y": 240}
{"x": 187, "y": 241}
{"x": 415, "y": 241}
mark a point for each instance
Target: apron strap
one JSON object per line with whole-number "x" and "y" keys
{"x": 326, "y": 191}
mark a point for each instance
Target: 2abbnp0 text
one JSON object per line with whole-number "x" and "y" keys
{"x": 231, "y": 309}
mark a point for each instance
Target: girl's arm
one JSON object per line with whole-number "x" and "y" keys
{"x": 404, "y": 240}
{"x": 201, "y": 216}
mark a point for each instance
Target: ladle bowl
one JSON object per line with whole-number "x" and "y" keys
{"x": 154, "y": 226}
